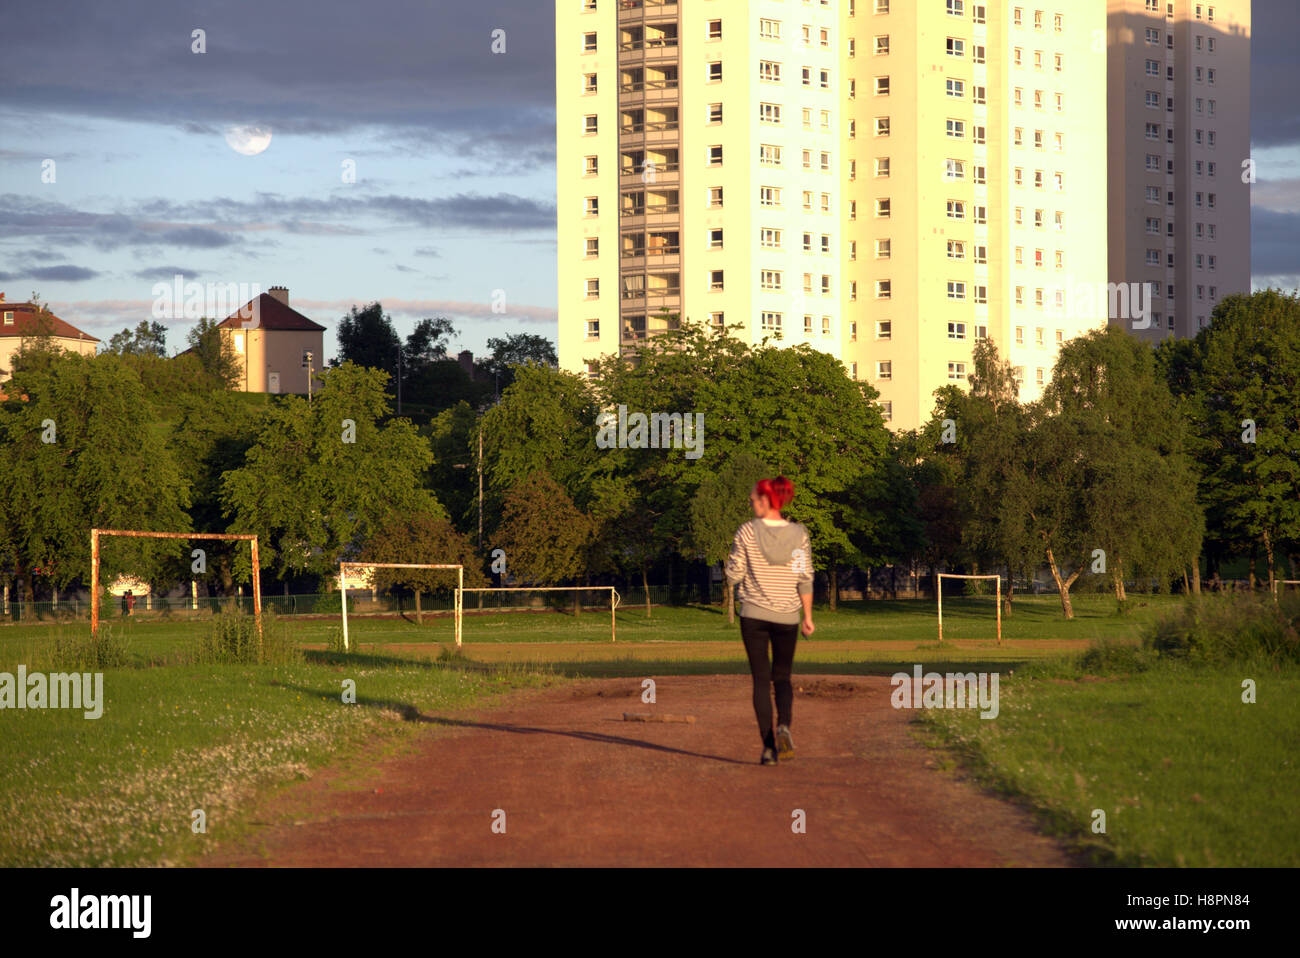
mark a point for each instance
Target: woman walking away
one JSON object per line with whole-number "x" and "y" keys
{"x": 771, "y": 560}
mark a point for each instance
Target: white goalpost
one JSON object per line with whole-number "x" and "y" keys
{"x": 1278, "y": 582}
{"x": 343, "y": 587}
{"x": 953, "y": 575}
{"x": 614, "y": 598}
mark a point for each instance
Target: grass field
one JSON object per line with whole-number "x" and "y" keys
{"x": 1185, "y": 773}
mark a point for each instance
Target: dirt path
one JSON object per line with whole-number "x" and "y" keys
{"x": 581, "y": 786}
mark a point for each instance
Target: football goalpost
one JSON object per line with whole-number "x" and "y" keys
{"x": 138, "y": 534}
{"x": 953, "y": 575}
{"x": 1283, "y": 582}
{"x": 614, "y": 598}
{"x": 343, "y": 587}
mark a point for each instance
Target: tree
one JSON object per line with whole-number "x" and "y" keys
{"x": 514, "y": 350}
{"x": 215, "y": 353}
{"x": 323, "y": 476}
{"x": 544, "y": 535}
{"x": 78, "y": 453}
{"x": 1240, "y": 378}
{"x": 425, "y": 538}
{"x": 148, "y": 339}
{"x": 366, "y": 337}
{"x": 720, "y": 506}
{"x": 1128, "y": 472}
{"x": 427, "y": 343}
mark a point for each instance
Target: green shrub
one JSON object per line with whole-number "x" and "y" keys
{"x": 1219, "y": 629}
{"x": 88, "y": 653}
{"x": 1108, "y": 657}
{"x": 232, "y": 639}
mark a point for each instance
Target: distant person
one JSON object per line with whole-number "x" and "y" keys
{"x": 130, "y": 602}
{"x": 771, "y": 560}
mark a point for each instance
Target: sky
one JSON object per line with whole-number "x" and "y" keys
{"x": 451, "y": 211}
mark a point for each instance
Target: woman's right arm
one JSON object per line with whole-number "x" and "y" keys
{"x": 738, "y": 561}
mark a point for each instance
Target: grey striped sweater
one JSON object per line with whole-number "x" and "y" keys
{"x": 773, "y": 566}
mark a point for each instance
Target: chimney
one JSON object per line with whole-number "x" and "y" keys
{"x": 466, "y": 360}
{"x": 281, "y": 293}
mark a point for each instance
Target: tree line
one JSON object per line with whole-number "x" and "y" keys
{"x": 1139, "y": 464}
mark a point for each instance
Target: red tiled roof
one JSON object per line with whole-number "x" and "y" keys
{"x": 25, "y": 323}
{"x": 267, "y": 312}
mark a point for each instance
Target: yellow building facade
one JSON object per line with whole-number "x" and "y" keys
{"x": 885, "y": 181}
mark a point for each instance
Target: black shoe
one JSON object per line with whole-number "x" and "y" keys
{"x": 769, "y": 757}
{"x": 784, "y": 743}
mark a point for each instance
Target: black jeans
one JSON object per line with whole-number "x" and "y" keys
{"x": 757, "y": 634}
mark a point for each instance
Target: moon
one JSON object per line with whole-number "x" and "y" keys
{"x": 248, "y": 140}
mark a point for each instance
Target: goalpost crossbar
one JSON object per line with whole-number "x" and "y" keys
{"x": 614, "y": 598}
{"x": 940, "y": 576}
{"x": 343, "y": 587}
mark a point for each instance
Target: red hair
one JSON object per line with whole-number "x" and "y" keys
{"x": 779, "y": 491}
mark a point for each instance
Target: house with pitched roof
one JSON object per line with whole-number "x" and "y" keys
{"x": 275, "y": 344}
{"x": 22, "y": 323}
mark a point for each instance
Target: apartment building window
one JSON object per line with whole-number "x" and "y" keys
{"x": 767, "y": 196}
{"x": 824, "y": 37}
{"x": 882, "y": 209}
{"x": 885, "y": 370}
{"x": 883, "y": 289}
{"x": 769, "y": 279}
{"x": 715, "y": 156}
{"x": 592, "y": 247}
{"x": 1018, "y": 215}
{"x": 882, "y": 249}
{"x": 853, "y": 170}
{"x": 715, "y": 113}
{"x": 1018, "y": 17}
{"x": 715, "y": 239}
{"x": 593, "y": 289}
{"x": 853, "y": 209}
{"x": 1018, "y": 136}
{"x": 882, "y": 86}
{"x": 956, "y": 330}
{"x": 1020, "y": 330}
{"x": 956, "y": 210}
{"x": 589, "y": 43}
{"x": 1059, "y": 63}
{"x": 590, "y": 165}
{"x": 593, "y": 205}
{"x": 589, "y": 125}
{"x": 715, "y": 197}
{"x": 1018, "y": 96}
{"x": 956, "y": 47}
{"x": 853, "y": 291}
{"x": 882, "y": 6}
{"x": 593, "y": 329}
{"x": 769, "y": 29}
{"x": 956, "y": 87}
{"x": 826, "y": 325}
{"x": 956, "y": 370}
{"x": 715, "y": 71}
{"x": 718, "y": 319}
{"x": 1020, "y": 301}
{"x": 979, "y": 135}
{"x": 956, "y": 249}
{"x": 769, "y": 154}
{"x": 807, "y": 324}
{"x": 978, "y": 95}
{"x": 956, "y": 128}
{"x": 807, "y": 248}
{"x": 981, "y": 215}
{"x": 978, "y": 53}
{"x": 954, "y": 169}
{"x": 826, "y": 202}
{"x": 882, "y": 166}
{"x": 1019, "y": 256}
{"x": 853, "y": 89}
{"x": 769, "y": 113}
{"x": 884, "y": 329}
{"x": 981, "y": 297}
{"x": 1019, "y": 176}
{"x": 770, "y": 238}
{"x": 826, "y": 122}
{"x": 589, "y": 83}
{"x": 882, "y": 126}
{"x": 826, "y": 244}
{"x": 824, "y": 79}
{"x": 771, "y": 322}
{"x": 956, "y": 8}
{"x": 956, "y": 289}
{"x": 807, "y": 159}
{"x": 715, "y": 279}
{"x": 1038, "y": 19}
{"x": 1038, "y": 59}
{"x": 882, "y": 45}
{"x": 979, "y": 176}
{"x": 769, "y": 71}
{"x": 1153, "y": 100}
{"x": 981, "y": 255}
{"x": 853, "y": 249}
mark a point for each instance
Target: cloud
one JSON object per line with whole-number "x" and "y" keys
{"x": 166, "y": 273}
{"x": 53, "y": 274}
{"x": 1273, "y": 242}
